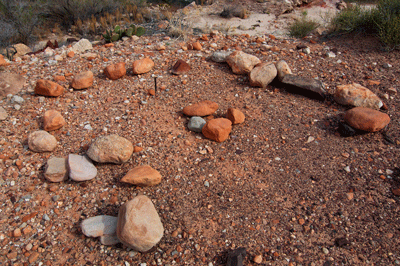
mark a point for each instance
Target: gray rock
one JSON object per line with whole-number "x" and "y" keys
{"x": 10, "y": 83}
{"x": 3, "y": 113}
{"x": 81, "y": 168}
{"x": 109, "y": 240}
{"x": 17, "y": 99}
{"x": 305, "y": 86}
{"x": 196, "y": 124}
{"x": 110, "y": 149}
{"x": 82, "y": 46}
{"x": 220, "y": 56}
{"x": 262, "y": 75}
{"x": 99, "y": 226}
{"x": 41, "y": 141}
{"x": 56, "y": 170}
{"x": 139, "y": 226}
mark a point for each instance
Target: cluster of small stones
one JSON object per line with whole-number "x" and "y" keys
{"x": 140, "y": 212}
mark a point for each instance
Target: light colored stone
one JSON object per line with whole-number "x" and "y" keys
{"x": 142, "y": 66}
{"x": 196, "y": 124}
{"x": 139, "y": 226}
{"x": 10, "y": 83}
{"x": 99, "y": 226}
{"x": 109, "y": 240}
{"x": 56, "y": 170}
{"x": 3, "y": 114}
{"x": 22, "y": 49}
{"x": 366, "y": 119}
{"x": 110, "y": 149}
{"x": 143, "y": 175}
{"x": 357, "y": 95}
{"x": 81, "y": 168}
{"x": 262, "y": 75}
{"x": 41, "y": 141}
{"x": 202, "y": 108}
{"x": 81, "y": 46}
{"x": 242, "y": 63}
{"x": 83, "y": 80}
{"x": 48, "y": 88}
{"x": 217, "y": 129}
{"x": 236, "y": 116}
{"x": 282, "y": 68}
{"x": 53, "y": 120}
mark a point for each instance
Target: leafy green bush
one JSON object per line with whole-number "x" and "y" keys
{"x": 382, "y": 21}
{"x": 302, "y": 27}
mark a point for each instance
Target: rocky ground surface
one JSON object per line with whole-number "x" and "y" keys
{"x": 285, "y": 185}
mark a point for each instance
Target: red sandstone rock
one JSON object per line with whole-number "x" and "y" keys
{"x": 48, "y": 88}
{"x": 142, "y": 66}
{"x": 217, "y": 129}
{"x": 115, "y": 71}
{"x": 202, "y": 108}
{"x": 180, "y": 67}
{"x": 83, "y": 80}
{"x": 235, "y": 115}
{"x": 366, "y": 119}
{"x": 53, "y": 120}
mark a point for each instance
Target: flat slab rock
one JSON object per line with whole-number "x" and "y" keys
{"x": 203, "y": 108}
{"x": 99, "y": 226}
{"x": 305, "y": 86}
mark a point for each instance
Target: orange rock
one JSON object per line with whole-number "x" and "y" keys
{"x": 83, "y": 80}
{"x": 235, "y": 115}
{"x": 217, "y": 129}
{"x": 137, "y": 149}
{"x": 357, "y": 95}
{"x": 17, "y": 232}
{"x": 142, "y": 66}
{"x": 151, "y": 92}
{"x": 71, "y": 54}
{"x": 33, "y": 257}
{"x": 109, "y": 45}
{"x": 115, "y": 71}
{"x": 366, "y": 119}
{"x": 3, "y": 61}
{"x": 59, "y": 78}
{"x": 53, "y": 120}
{"x": 48, "y": 88}
{"x": 142, "y": 176}
{"x": 202, "y": 108}
{"x": 272, "y": 37}
{"x": 197, "y": 46}
{"x": 180, "y": 67}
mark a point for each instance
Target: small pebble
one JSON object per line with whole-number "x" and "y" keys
{"x": 347, "y": 169}
{"x": 325, "y": 250}
{"x": 206, "y": 184}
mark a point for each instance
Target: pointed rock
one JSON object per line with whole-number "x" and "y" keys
{"x": 180, "y": 67}
{"x": 83, "y": 80}
{"x": 41, "y": 141}
{"x": 110, "y": 149}
{"x": 115, "y": 71}
{"x": 53, "y": 120}
{"x": 142, "y": 66}
{"x": 283, "y": 69}
{"x": 56, "y": 170}
{"x": 202, "y": 108}
{"x": 236, "y": 116}
{"x": 242, "y": 63}
{"x": 357, "y": 95}
{"x": 217, "y": 129}
{"x": 262, "y": 75}
{"x": 99, "y": 226}
{"x": 81, "y": 168}
{"x": 48, "y": 88}
{"x": 81, "y": 46}
{"x": 10, "y": 83}
{"x": 142, "y": 176}
{"x": 139, "y": 226}
{"x": 366, "y": 119}
{"x": 305, "y": 86}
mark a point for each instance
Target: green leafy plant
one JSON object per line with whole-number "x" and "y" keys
{"x": 117, "y": 33}
{"x": 302, "y": 27}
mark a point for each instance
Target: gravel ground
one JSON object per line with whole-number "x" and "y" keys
{"x": 285, "y": 185}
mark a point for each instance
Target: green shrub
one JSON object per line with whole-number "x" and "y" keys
{"x": 382, "y": 21}
{"x": 302, "y": 27}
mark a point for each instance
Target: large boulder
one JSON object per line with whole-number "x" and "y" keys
{"x": 139, "y": 226}
{"x": 110, "y": 149}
